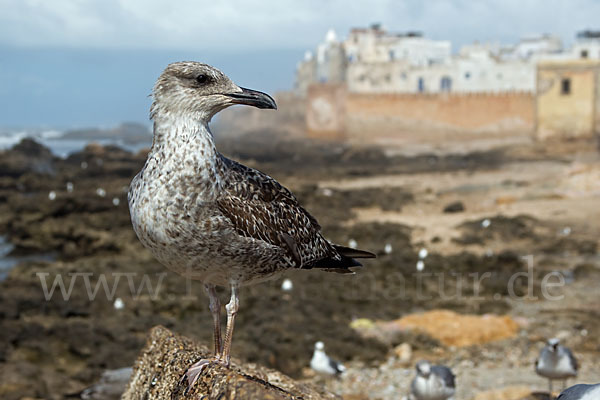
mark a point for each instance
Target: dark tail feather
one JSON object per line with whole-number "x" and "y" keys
{"x": 355, "y": 253}
{"x": 340, "y": 266}
{"x": 346, "y": 262}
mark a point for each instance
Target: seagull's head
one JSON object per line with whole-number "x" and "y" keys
{"x": 200, "y": 91}
{"x": 553, "y": 343}
{"x": 319, "y": 346}
{"x": 423, "y": 368}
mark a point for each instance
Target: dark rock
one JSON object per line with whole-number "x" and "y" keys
{"x": 27, "y": 156}
{"x": 454, "y": 207}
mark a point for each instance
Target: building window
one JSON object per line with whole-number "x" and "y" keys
{"x": 446, "y": 84}
{"x": 565, "y": 86}
{"x": 584, "y": 54}
{"x": 467, "y": 75}
{"x": 421, "y": 85}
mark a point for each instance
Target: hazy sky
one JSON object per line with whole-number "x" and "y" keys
{"x": 86, "y": 62}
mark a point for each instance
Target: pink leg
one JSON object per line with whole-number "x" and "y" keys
{"x": 232, "y": 309}
{"x": 193, "y": 372}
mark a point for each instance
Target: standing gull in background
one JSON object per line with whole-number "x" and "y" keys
{"x": 556, "y": 362}
{"x": 321, "y": 362}
{"x": 433, "y": 382}
{"x": 581, "y": 392}
{"x": 111, "y": 385}
{"x": 210, "y": 218}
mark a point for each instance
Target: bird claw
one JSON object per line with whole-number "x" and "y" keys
{"x": 193, "y": 373}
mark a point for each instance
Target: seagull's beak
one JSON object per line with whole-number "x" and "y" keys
{"x": 253, "y": 98}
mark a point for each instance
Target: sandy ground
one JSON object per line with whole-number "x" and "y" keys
{"x": 567, "y": 193}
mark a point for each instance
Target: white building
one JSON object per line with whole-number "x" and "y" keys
{"x": 532, "y": 47}
{"x": 587, "y": 45}
{"x": 372, "y": 60}
{"x": 373, "y": 45}
{"x": 329, "y": 65}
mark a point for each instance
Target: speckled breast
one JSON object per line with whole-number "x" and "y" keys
{"x": 194, "y": 240}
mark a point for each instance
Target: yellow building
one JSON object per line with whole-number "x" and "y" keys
{"x": 568, "y": 99}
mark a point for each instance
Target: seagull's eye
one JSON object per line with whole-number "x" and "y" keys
{"x": 202, "y": 78}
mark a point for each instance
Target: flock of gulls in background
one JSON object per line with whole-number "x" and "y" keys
{"x": 431, "y": 382}
{"x": 437, "y": 382}
{"x": 100, "y": 192}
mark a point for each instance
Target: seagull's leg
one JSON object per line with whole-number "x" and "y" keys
{"x": 550, "y": 387}
{"x": 215, "y": 309}
{"x": 232, "y": 309}
{"x": 194, "y": 371}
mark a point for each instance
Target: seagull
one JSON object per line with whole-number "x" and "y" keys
{"x": 111, "y": 385}
{"x": 433, "y": 382}
{"x": 581, "y": 392}
{"x": 213, "y": 219}
{"x": 287, "y": 285}
{"x": 420, "y": 265}
{"x": 556, "y": 362}
{"x": 321, "y": 362}
{"x": 388, "y": 248}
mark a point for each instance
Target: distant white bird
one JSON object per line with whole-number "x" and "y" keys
{"x": 423, "y": 253}
{"x": 69, "y": 187}
{"x": 84, "y": 165}
{"x": 420, "y": 265}
{"x": 352, "y": 243}
{"x": 52, "y": 195}
{"x": 433, "y": 382}
{"x": 327, "y": 192}
{"x": 581, "y": 392}
{"x": 485, "y": 223}
{"x": 556, "y": 362}
{"x": 287, "y": 285}
{"x": 321, "y": 362}
{"x": 116, "y": 201}
{"x": 111, "y": 385}
{"x": 118, "y": 304}
{"x": 101, "y": 192}
{"x": 387, "y": 249}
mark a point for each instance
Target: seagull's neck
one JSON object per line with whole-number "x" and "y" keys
{"x": 174, "y": 131}
{"x": 186, "y": 146}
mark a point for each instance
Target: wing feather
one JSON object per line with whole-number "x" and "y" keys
{"x": 261, "y": 208}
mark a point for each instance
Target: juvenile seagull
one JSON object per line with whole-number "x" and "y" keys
{"x": 433, "y": 382}
{"x": 321, "y": 362}
{"x": 556, "y": 362}
{"x": 210, "y": 218}
{"x": 581, "y": 392}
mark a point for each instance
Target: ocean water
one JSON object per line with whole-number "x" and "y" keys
{"x": 7, "y": 262}
{"x": 59, "y": 146}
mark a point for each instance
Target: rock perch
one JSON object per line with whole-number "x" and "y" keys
{"x": 163, "y": 361}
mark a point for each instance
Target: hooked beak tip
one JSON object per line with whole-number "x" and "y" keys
{"x": 253, "y": 98}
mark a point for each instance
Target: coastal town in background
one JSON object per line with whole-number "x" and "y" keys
{"x": 472, "y": 173}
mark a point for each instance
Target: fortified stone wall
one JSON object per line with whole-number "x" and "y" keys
{"x": 334, "y": 112}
